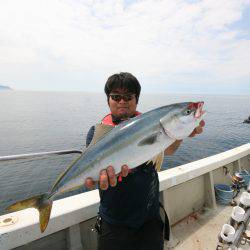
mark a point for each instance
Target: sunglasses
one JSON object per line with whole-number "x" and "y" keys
{"x": 125, "y": 97}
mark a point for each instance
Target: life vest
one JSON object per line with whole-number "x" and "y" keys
{"x": 107, "y": 120}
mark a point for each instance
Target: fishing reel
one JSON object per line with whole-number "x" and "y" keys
{"x": 237, "y": 183}
{"x": 238, "y": 180}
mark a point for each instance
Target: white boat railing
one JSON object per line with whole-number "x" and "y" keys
{"x": 69, "y": 212}
{"x": 183, "y": 173}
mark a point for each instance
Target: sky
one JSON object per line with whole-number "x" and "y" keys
{"x": 169, "y": 45}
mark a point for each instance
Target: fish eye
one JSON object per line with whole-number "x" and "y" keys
{"x": 188, "y": 112}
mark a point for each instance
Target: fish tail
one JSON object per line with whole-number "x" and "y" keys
{"x": 44, "y": 214}
{"x": 41, "y": 203}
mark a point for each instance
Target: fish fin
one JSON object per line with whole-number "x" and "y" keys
{"x": 157, "y": 161}
{"x": 20, "y": 205}
{"x": 100, "y": 131}
{"x": 149, "y": 140}
{"x": 66, "y": 171}
{"x": 44, "y": 214}
{"x": 39, "y": 202}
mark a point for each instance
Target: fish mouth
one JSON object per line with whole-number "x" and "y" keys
{"x": 199, "y": 112}
{"x": 198, "y": 107}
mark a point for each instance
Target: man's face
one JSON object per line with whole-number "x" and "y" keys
{"x": 122, "y": 108}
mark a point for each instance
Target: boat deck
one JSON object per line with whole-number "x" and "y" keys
{"x": 200, "y": 231}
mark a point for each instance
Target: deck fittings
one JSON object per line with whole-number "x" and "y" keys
{"x": 236, "y": 233}
{"x": 237, "y": 178}
{"x": 245, "y": 200}
{"x": 227, "y": 234}
{"x": 237, "y": 216}
{"x": 238, "y": 181}
{"x": 242, "y": 234}
{"x": 245, "y": 238}
{"x": 7, "y": 221}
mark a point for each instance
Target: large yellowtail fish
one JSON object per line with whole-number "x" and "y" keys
{"x": 138, "y": 140}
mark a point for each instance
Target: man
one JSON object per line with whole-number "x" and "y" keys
{"x": 129, "y": 204}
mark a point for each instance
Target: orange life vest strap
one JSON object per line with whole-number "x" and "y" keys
{"x": 107, "y": 120}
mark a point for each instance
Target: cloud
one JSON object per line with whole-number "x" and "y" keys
{"x": 161, "y": 40}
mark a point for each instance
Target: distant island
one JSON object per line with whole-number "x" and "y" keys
{"x": 5, "y": 87}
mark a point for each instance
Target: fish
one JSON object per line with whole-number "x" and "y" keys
{"x": 138, "y": 140}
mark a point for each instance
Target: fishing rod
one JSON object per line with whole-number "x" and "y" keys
{"x": 36, "y": 155}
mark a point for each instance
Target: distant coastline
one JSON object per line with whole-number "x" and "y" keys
{"x": 2, "y": 87}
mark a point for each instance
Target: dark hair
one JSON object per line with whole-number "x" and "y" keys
{"x": 124, "y": 81}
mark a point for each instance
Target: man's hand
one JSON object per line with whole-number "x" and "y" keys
{"x": 173, "y": 147}
{"x": 107, "y": 178}
{"x": 198, "y": 130}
